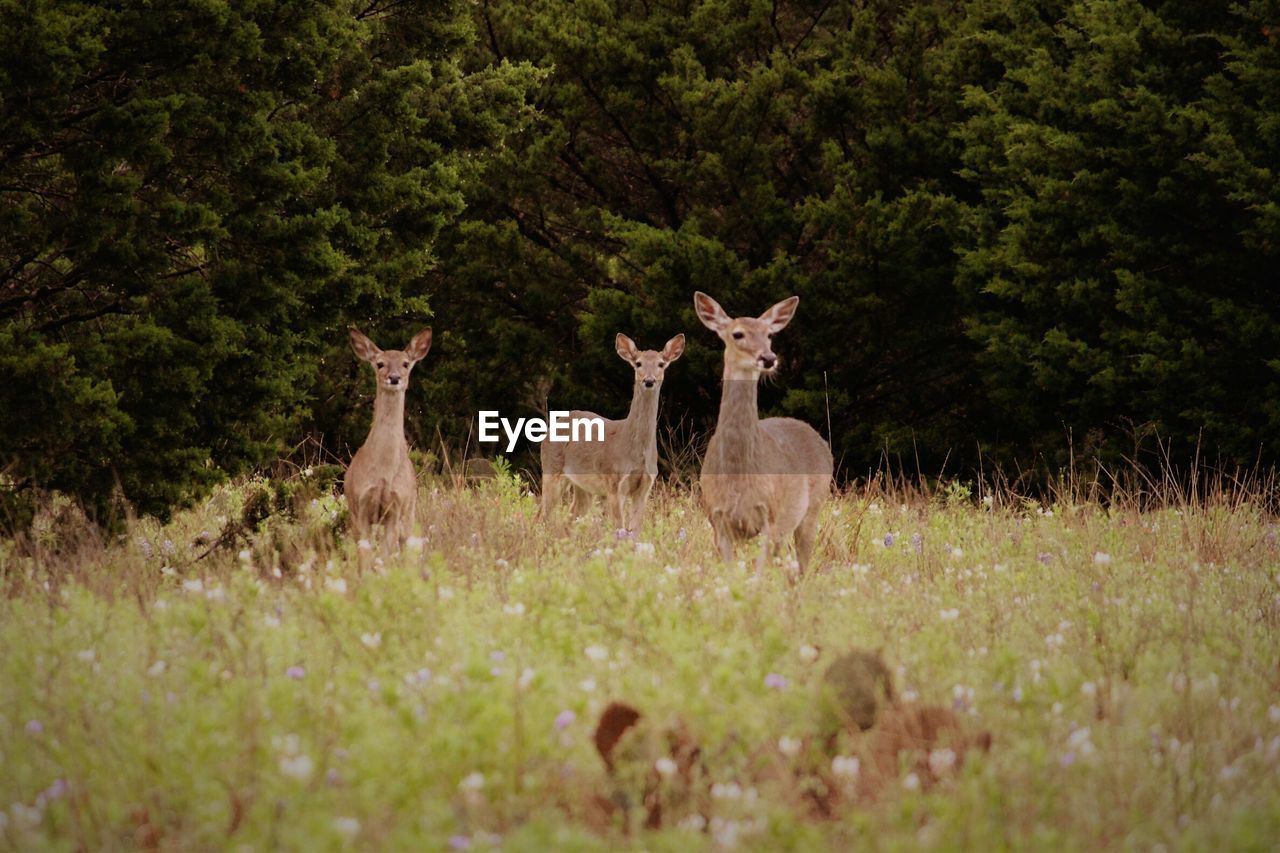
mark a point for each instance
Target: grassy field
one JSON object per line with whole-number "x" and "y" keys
{"x": 1126, "y": 664}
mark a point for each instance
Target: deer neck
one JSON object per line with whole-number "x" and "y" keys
{"x": 642, "y": 422}
{"x": 738, "y": 426}
{"x": 387, "y": 433}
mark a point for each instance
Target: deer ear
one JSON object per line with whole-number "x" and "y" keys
{"x": 364, "y": 348}
{"x": 674, "y": 348}
{"x": 780, "y": 315}
{"x": 417, "y": 349}
{"x": 710, "y": 312}
{"x": 626, "y": 347}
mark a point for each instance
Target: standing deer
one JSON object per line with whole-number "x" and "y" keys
{"x": 621, "y": 468}
{"x": 381, "y": 485}
{"x": 768, "y": 477}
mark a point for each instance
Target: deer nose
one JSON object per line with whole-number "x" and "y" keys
{"x": 394, "y": 379}
{"x": 768, "y": 361}
{"x": 648, "y": 383}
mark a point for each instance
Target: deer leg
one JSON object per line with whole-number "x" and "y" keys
{"x": 581, "y": 501}
{"x": 551, "y": 485}
{"x": 640, "y": 499}
{"x": 806, "y": 533}
{"x": 724, "y": 541}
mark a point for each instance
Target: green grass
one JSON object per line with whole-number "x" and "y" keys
{"x": 248, "y": 700}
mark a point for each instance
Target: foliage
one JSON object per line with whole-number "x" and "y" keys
{"x": 194, "y": 200}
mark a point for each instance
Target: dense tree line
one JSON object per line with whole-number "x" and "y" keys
{"x": 1015, "y": 228}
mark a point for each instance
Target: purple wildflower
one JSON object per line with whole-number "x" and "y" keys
{"x": 1068, "y": 758}
{"x": 35, "y": 727}
{"x": 564, "y": 719}
{"x": 775, "y": 681}
{"x": 681, "y": 535}
{"x": 1044, "y": 557}
{"x": 917, "y": 542}
{"x": 459, "y": 842}
{"x": 888, "y": 540}
{"x": 295, "y": 672}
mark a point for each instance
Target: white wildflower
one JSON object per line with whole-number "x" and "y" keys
{"x": 371, "y": 640}
{"x": 157, "y": 669}
{"x": 596, "y": 653}
{"x": 298, "y": 767}
{"x": 789, "y": 746}
{"x": 846, "y": 766}
{"x": 808, "y": 654}
{"x": 347, "y": 827}
{"x": 941, "y": 760}
{"x": 665, "y": 766}
{"x": 472, "y": 782}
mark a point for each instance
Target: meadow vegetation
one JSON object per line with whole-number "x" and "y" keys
{"x": 230, "y": 680}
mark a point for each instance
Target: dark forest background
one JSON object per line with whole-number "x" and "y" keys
{"x": 1021, "y": 232}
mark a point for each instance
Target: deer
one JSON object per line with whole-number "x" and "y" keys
{"x": 766, "y": 478}
{"x": 381, "y": 485}
{"x": 623, "y": 467}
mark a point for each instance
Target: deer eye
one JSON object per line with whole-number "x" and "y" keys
{"x": 637, "y": 364}
{"x": 406, "y": 364}
{"x": 661, "y": 364}
{"x": 737, "y": 336}
{"x": 380, "y": 365}
{"x": 769, "y": 335}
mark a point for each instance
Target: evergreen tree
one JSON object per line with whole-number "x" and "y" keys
{"x": 194, "y": 200}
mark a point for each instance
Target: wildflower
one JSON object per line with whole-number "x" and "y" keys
{"x": 472, "y": 782}
{"x": 1101, "y": 558}
{"x": 846, "y": 766}
{"x": 775, "y": 681}
{"x": 516, "y": 609}
{"x": 665, "y": 766}
{"x": 693, "y": 823}
{"x": 596, "y": 653}
{"x": 808, "y": 654}
{"x": 1273, "y": 713}
{"x": 789, "y": 746}
{"x": 726, "y": 791}
{"x": 347, "y": 827}
{"x": 889, "y": 539}
{"x": 565, "y": 719}
{"x": 1016, "y": 694}
{"x": 364, "y": 545}
{"x": 681, "y": 535}
{"x": 415, "y": 543}
{"x": 587, "y": 685}
{"x": 1089, "y": 689}
{"x": 298, "y": 767}
{"x": 645, "y": 549}
{"x": 525, "y": 679}
{"x": 24, "y": 816}
{"x": 949, "y": 615}
{"x": 374, "y": 685}
{"x": 911, "y": 782}
{"x": 87, "y": 655}
{"x": 1068, "y": 758}
{"x": 295, "y": 672}
{"x": 957, "y": 553}
{"x": 371, "y": 640}
{"x": 245, "y": 555}
{"x": 941, "y": 760}
{"x": 336, "y": 585}
{"x": 497, "y": 656}
{"x": 1229, "y": 772}
{"x": 917, "y": 543}
{"x": 459, "y": 842}
{"x": 35, "y": 728}
{"x": 1080, "y": 741}
{"x": 1044, "y": 557}
{"x": 157, "y": 669}
{"x": 271, "y": 620}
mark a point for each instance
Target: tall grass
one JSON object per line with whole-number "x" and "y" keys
{"x": 210, "y": 683}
